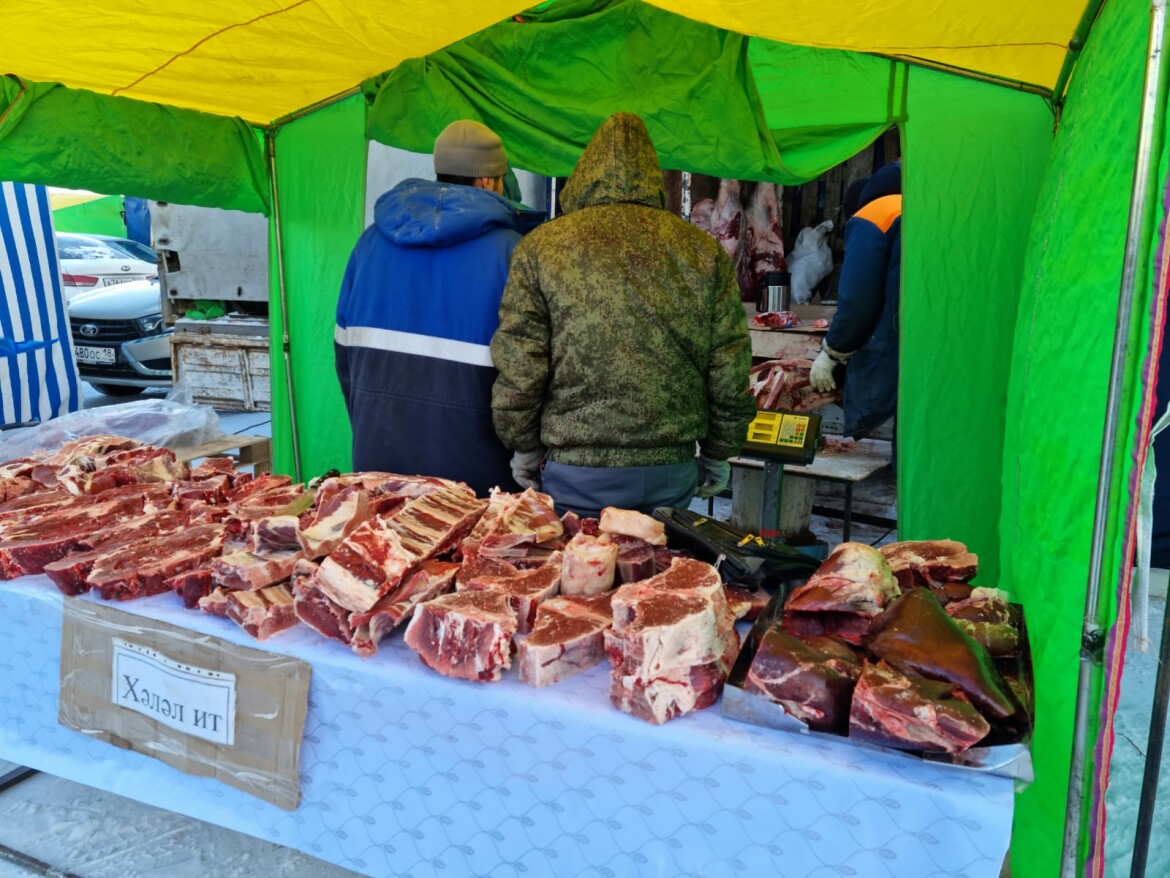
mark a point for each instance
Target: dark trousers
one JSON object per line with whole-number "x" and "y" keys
{"x": 586, "y": 490}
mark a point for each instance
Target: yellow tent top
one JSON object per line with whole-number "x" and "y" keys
{"x": 262, "y": 59}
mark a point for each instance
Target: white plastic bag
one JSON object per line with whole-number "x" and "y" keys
{"x": 811, "y": 261}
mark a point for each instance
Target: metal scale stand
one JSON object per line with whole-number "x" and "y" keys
{"x": 778, "y": 438}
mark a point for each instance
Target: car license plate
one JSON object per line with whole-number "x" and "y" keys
{"x": 110, "y": 281}
{"x": 93, "y": 356}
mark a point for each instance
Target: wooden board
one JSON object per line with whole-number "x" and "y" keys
{"x": 224, "y": 371}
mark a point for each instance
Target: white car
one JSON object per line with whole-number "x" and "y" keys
{"x": 89, "y": 263}
{"x": 119, "y": 338}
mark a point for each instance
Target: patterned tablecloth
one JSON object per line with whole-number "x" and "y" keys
{"x": 408, "y": 773}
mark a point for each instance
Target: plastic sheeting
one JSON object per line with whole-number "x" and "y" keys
{"x": 1057, "y": 394}
{"x": 321, "y": 167}
{"x": 546, "y": 84}
{"x": 67, "y": 137}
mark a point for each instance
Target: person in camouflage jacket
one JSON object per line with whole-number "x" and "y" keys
{"x": 622, "y": 342}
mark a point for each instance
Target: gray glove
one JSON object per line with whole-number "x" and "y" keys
{"x": 526, "y": 468}
{"x": 713, "y": 477}
{"x": 821, "y": 375}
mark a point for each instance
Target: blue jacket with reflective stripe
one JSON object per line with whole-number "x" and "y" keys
{"x": 419, "y": 304}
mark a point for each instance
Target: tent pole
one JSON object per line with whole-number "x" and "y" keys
{"x": 270, "y": 143}
{"x": 1092, "y": 631}
{"x": 1145, "y": 818}
{"x": 1075, "y": 45}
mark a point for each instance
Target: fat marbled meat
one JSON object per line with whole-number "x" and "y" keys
{"x": 811, "y": 678}
{"x": 672, "y": 642}
{"x": 568, "y": 637}
{"x": 927, "y": 562}
{"x": 467, "y": 635}
{"x": 525, "y": 590}
{"x": 589, "y": 566}
{"x": 262, "y": 613}
{"x": 427, "y": 581}
{"x": 372, "y": 561}
{"x": 855, "y": 578}
{"x": 911, "y": 713}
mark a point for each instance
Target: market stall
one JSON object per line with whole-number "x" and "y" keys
{"x": 1014, "y": 292}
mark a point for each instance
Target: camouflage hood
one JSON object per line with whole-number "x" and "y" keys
{"x": 619, "y": 166}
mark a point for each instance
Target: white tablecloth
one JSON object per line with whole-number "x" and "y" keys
{"x": 406, "y": 772}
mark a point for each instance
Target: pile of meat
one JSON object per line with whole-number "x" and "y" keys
{"x": 784, "y": 384}
{"x": 895, "y": 647}
{"x": 751, "y": 236}
{"x": 476, "y": 583}
{"x": 775, "y": 320}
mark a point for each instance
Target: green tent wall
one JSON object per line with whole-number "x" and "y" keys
{"x": 102, "y": 216}
{"x": 985, "y": 357}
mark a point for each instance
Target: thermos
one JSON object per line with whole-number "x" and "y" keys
{"x": 777, "y": 292}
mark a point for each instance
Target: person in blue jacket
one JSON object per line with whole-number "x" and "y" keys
{"x": 419, "y": 304}
{"x": 864, "y": 333}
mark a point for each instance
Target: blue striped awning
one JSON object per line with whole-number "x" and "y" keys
{"x": 38, "y": 375}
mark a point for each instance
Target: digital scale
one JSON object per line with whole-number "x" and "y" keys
{"x": 784, "y": 436}
{"x": 777, "y": 438}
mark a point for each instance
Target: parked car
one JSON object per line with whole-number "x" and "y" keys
{"x": 119, "y": 339}
{"x": 88, "y": 263}
{"x": 135, "y": 249}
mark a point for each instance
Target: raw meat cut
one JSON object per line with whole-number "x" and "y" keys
{"x": 916, "y": 636}
{"x": 589, "y": 565}
{"x": 745, "y": 603}
{"x": 131, "y": 467}
{"x": 314, "y": 608}
{"x": 373, "y": 559}
{"x": 529, "y": 514}
{"x": 849, "y": 627}
{"x": 44, "y": 539}
{"x": 250, "y": 571}
{"x": 855, "y": 578}
{"x": 631, "y": 523}
{"x": 474, "y": 565}
{"x": 467, "y": 635}
{"x": 369, "y": 563}
{"x": 763, "y": 242}
{"x": 922, "y": 562}
{"x": 425, "y": 582}
{"x": 726, "y": 219}
{"x": 69, "y": 573}
{"x": 276, "y": 533}
{"x": 785, "y": 385}
{"x": 567, "y": 638}
{"x": 338, "y": 515}
{"x": 525, "y": 590}
{"x": 672, "y": 642}
{"x": 812, "y": 679}
{"x": 262, "y": 613}
{"x": 192, "y": 586}
{"x": 988, "y": 617}
{"x": 910, "y": 713}
{"x": 215, "y": 602}
{"x": 701, "y": 213}
{"x": 145, "y": 568}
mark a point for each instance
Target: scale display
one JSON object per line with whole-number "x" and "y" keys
{"x": 787, "y": 436}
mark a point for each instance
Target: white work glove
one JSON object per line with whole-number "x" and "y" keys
{"x": 713, "y": 477}
{"x": 526, "y": 468}
{"x": 821, "y": 375}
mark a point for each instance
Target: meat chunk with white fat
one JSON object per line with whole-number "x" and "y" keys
{"x": 425, "y": 582}
{"x": 568, "y": 637}
{"x": 262, "y": 613}
{"x": 912, "y": 713}
{"x": 812, "y": 679}
{"x": 923, "y": 562}
{"x": 631, "y": 523}
{"x": 855, "y": 578}
{"x": 467, "y": 635}
{"x": 589, "y": 565}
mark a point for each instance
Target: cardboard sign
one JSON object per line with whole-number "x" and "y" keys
{"x": 199, "y": 703}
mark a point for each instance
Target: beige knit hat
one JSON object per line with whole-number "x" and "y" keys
{"x": 469, "y": 149}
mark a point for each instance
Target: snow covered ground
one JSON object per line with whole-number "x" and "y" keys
{"x": 1129, "y": 756}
